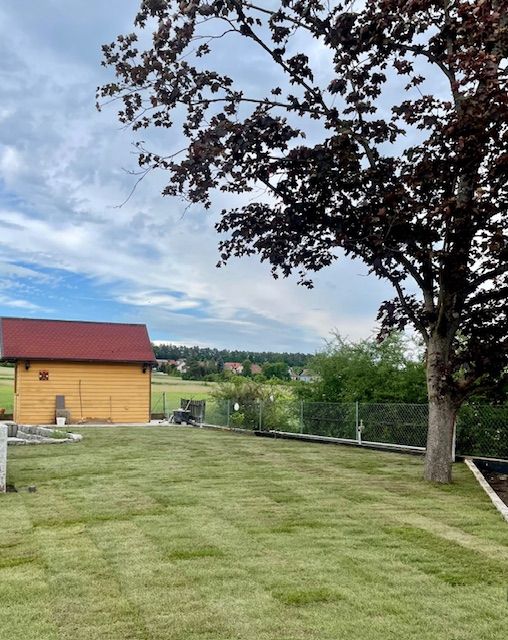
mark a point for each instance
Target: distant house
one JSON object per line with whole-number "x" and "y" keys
{"x": 234, "y": 367}
{"x": 180, "y": 365}
{"x": 294, "y": 373}
{"x": 99, "y": 371}
{"x": 306, "y": 376}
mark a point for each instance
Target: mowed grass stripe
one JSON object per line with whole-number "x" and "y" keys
{"x": 25, "y": 595}
{"x": 87, "y": 599}
{"x": 143, "y": 568}
{"x": 197, "y": 534}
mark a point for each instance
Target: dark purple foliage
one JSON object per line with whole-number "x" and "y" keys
{"x": 431, "y": 219}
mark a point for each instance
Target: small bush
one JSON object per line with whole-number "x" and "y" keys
{"x": 59, "y": 435}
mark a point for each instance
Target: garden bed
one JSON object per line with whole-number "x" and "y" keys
{"x": 495, "y": 473}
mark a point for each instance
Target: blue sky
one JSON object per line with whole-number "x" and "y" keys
{"x": 67, "y": 250}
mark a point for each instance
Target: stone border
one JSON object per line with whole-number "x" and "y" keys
{"x": 496, "y": 500}
{"x": 364, "y": 444}
{"x": 249, "y": 432}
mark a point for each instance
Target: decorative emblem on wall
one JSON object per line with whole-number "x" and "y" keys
{"x": 43, "y": 376}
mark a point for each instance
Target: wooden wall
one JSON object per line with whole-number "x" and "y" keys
{"x": 93, "y": 391}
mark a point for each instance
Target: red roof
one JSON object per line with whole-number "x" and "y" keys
{"x": 27, "y": 339}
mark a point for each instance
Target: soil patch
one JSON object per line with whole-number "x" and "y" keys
{"x": 496, "y": 474}
{"x": 499, "y": 482}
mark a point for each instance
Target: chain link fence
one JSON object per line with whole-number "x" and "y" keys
{"x": 482, "y": 430}
{"x": 398, "y": 424}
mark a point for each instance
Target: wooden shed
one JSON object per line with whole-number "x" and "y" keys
{"x": 102, "y": 370}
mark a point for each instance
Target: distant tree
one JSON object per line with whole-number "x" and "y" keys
{"x": 169, "y": 369}
{"x": 194, "y": 371}
{"x": 199, "y": 369}
{"x": 174, "y": 352}
{"x": 366, "y": 371}
{"x": 278, "y": 370}
{"x": 410, "y": 179}
{"x": 247, "y": 368}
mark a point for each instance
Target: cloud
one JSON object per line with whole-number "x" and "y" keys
{"x": 181, "y": 344}
{"x": 62, "y": 177}
{"x": 10, "y": 163}
{"x": 161, "y": 300}
{"x": 19, "y": 304}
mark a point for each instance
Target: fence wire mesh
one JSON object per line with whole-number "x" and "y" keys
{"x": 329, "y": 419}
{"x": 402, "y": 424}
{"x": 482, "y": 430}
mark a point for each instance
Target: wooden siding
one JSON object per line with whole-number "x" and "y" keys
{"x": 93, "y": 391}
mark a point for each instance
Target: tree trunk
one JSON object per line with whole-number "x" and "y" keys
{"x": 442, "y": 415}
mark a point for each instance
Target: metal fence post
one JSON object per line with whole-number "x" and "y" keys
{"x": 260, "y": 415}
{"x": 164, "y": 404}
{"x": 228, "y": 414}
{"x": 454, "y": 439}
{"x": 357, "y": 423}
{"x": 301, "y": 417}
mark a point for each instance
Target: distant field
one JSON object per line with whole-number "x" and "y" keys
{"x": 175, "y": 388}
{"x": 7, "y": 372}
{"x": 6, "y": 388}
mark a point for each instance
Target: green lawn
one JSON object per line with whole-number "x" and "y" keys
{"x": 6, "y": 388}
{"x": 176, "y": 533}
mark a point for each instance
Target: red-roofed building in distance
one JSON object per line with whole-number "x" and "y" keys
{"x": 234, "y": 367}
{"x": 92, "y": 371}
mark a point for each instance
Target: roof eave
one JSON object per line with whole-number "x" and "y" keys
{"x": 53, "y": 359}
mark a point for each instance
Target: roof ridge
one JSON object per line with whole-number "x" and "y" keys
{"x": 125, "y": 324}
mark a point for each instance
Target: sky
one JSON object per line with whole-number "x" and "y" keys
{"x": 69, "y": 251}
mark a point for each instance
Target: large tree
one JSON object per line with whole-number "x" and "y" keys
{"x": 406, "y": 167}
